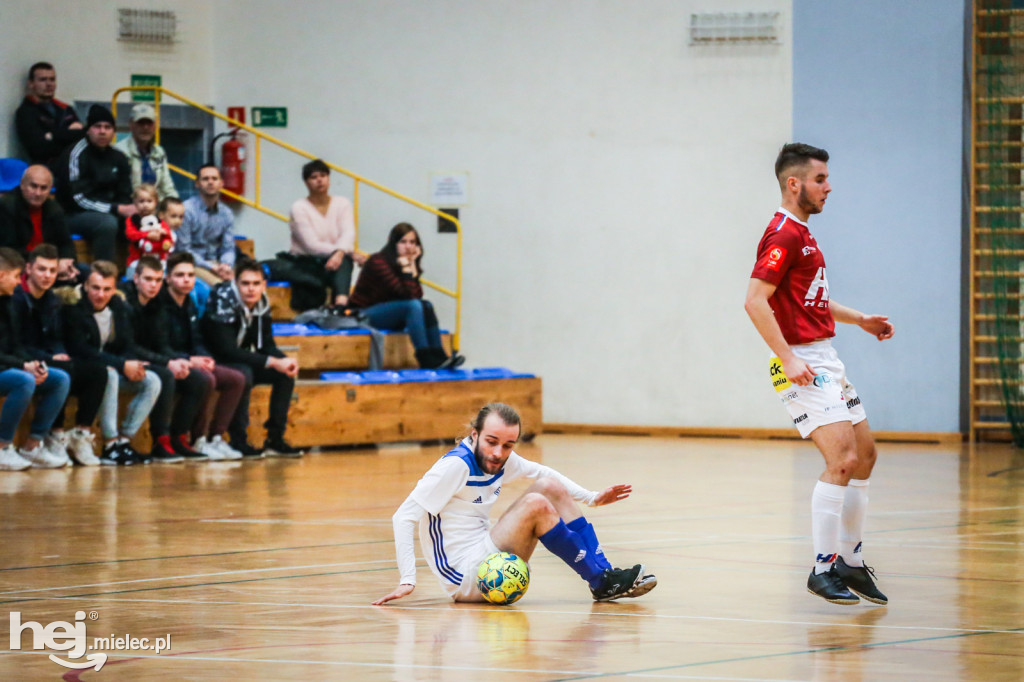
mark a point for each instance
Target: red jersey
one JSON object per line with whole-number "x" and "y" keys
{"x": 788, "y": 257}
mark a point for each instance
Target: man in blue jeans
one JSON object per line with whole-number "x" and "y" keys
{"x": 20, "y": 378}
{"x": 99, "y": 328}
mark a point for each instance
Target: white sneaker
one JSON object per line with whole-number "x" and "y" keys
{"x": 41, "y": 458}
{"x": 10, "y": 460}
{"x": 80, "y": 446}
{"x": 57, "y": 445}
{"x": 207, "y": 448}
{"x": 228, "y": 451}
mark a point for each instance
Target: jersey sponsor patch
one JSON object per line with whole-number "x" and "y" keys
{"x": 775, "y": 256}
{"x": 779, "y": 379}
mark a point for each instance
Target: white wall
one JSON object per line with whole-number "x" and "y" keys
{"x": 80, "y": 39}
{"x": 620, "y": 179}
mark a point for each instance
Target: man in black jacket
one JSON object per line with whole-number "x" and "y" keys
{"x": 36, "y": 317}
{"x": 94, "y": 184}
{"x": 29, "y": 217}
{"x": 150, "y": 325}
{"x": 240, "y": 332}
{"x": 99, "y": 328}
{"x": 21, "y": 377}
{"x": 45, "y": 125}
{"x": 185, "y": 338}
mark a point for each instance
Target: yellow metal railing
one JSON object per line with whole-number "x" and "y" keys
{"x": 159, "y": 92}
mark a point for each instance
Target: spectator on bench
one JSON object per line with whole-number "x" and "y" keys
{"x": 171, "y": 433}
{"x": 20, "y": 377}
{"x": 37, "y": 317}
{"x": 185, "y": 339}
{"x": 148, "y": 159}
{"x": 208, "y": 230}
{"x": 29, "y": 217}
{"x": 323, "y": 236}
{"x": 388, "y": 291}
{"x": 146, "y": 232}
{"x": 94, "y": 184}
{"x": 45, "y": 125}
{"x": 238, "y": 327}
{"x": 99, "y": 328}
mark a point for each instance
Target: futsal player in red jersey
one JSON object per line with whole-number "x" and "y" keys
{"x": 788, "y": 302}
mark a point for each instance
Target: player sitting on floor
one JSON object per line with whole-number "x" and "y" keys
{"x": 452, "y": 505}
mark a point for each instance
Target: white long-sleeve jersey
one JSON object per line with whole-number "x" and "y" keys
{"x": 452, "y": 505}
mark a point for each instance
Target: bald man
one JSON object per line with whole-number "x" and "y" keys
{"x": 29, "y": 216}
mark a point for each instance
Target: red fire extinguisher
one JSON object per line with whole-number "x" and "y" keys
{"x": 232, "y": 165}
{"x": 232, "y": 161}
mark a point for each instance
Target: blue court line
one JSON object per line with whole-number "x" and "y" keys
{"x": 740, "y": 659}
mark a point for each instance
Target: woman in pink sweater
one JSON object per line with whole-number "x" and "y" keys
{"x": 324, "y": 233}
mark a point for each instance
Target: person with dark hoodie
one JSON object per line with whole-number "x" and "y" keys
{"x": 36, "y": 317}
{"x": 239, "y": 329}
{"x": 186, "y": 340}
{"x": 388, "y": 291}
{"x": 171, "y": 434}
{"x": 21, "y": 377}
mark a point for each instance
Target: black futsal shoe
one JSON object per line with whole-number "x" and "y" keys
{"x": 248, "y": 450}
{"x": 617, "y": 583}
{"x": 643, "y": 586}
{"x": 117, "y": 453}
{"x": 829, "y": 586}
{"x": 161, "y": 454}
{"x": 859, "y": 580}
{"x": 279, "y": 447}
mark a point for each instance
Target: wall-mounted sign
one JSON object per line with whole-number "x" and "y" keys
{"x": 269, "y": 117}
{"x": 144, "y": 79}
{"x": 449, "y": 189}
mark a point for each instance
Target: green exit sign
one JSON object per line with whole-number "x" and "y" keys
{"x": 270, "y": 117}
{"x": 144, "y": 79}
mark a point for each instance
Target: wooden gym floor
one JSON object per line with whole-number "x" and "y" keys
{"x": 265, "y": 570}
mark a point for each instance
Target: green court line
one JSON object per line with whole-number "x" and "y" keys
{"x": 740, "y": 659}
{"x": 194, "y": 556}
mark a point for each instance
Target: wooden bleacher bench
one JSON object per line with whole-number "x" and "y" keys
{"x": 319, "y": 350}
{"x": 346, "y": 409}
{"x": 356, "y": 408}
{"x": 339, "y": 412}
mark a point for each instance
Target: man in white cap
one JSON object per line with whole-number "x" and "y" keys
{"x": 149, "y": 160}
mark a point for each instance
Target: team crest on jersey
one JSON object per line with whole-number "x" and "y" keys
{"x": 775, "y": 258}
{"x": 779, "y": 379}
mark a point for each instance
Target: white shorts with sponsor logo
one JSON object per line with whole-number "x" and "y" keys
{"x": 467, "y": 591}
{"x": 830, "y": 399}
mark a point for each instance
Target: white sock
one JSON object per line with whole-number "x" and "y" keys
{"x": 855, "y": 510}
{"x": 826, "y": 509}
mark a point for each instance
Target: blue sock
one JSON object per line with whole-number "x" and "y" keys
{"x": 570, "y": 548}
{"x": 586, "y": 530}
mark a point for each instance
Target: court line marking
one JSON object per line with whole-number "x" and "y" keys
{"x": 174, "y": 578}
{"x": 190, "y": 585}
{"x": 358, "y": 664}
{"x": 607, "y": 614}
{"x": 197, "y": 556}
{"x": 642, "y": 672}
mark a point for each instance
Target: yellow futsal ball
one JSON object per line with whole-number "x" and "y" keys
{"x": 503, "y": 578}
